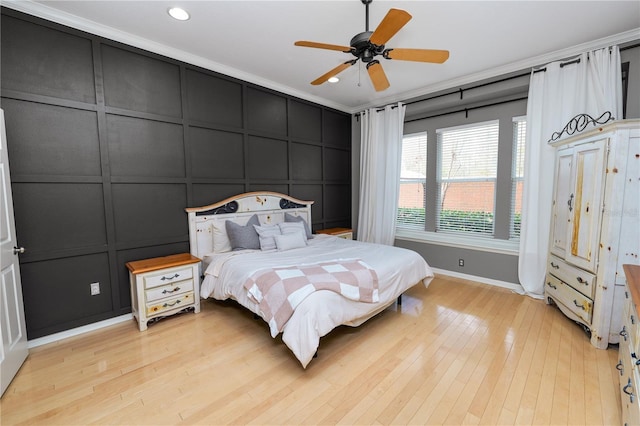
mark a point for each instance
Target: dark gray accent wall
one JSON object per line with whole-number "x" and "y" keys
{"x": 108, "y": 144}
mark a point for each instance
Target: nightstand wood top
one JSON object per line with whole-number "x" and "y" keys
{"x": 146, "y": 265}
{"x": 333, "y": 231}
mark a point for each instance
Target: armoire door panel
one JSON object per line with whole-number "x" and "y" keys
{"x": 585, "y": 217}
{"x": 562, "y": 202}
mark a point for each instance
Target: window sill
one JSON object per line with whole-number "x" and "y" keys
{"x": 462, "y": 241}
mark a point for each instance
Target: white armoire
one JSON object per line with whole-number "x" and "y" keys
{"x": 595, "y": 226}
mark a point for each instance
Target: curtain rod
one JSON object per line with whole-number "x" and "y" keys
{"x": 577, "y": 60}
{"x": 461, "y": 90}
{"x": 466, "y": 110}
{"x": 393, "y": 106}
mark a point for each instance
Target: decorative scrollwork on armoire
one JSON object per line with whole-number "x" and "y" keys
{"x": 579, "y": 123}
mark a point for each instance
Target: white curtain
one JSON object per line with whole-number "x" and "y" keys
{"x": 380, "y": 155}
{"x": 591, "y": 86}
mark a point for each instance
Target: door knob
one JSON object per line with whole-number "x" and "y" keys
{"x": 18, "y": 250}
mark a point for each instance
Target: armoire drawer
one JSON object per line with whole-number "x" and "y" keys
{"x": 577, "y": 278}
{"x": 575, "y": 301}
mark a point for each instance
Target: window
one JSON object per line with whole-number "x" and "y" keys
{"x": 517, "y": 174}
{"x": 413, "y": 181}
{"x": 467, "y": 172}
{"x": 450, "y": 196}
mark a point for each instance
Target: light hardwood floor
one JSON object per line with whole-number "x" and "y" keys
{"x": 456, "y": 353}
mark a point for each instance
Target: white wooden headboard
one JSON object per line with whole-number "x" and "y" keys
{"x": 269, "y": 206}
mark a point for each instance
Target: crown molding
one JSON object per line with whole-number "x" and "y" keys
{"x": 43, "y": 11}
{"x": 534, "y": 62}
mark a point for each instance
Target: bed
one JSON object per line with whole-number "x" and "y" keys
{"x": 369, "y": 277}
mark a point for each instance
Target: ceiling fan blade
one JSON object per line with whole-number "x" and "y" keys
{"x": 378, "y": 76}
{"x": 323, "y": 46}
{"x": 337, "y": 70}
{"x": 418, "y": 55}
{"x": 390, "y": 25}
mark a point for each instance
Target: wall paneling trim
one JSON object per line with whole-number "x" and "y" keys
{"x": 108, "y": 144}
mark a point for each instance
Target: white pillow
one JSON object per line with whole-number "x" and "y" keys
{"x": 290, "y": 241}
{"x": 292, "y": 228}
{"x": 266, "y": 233}
{"x": 221, "y": 241}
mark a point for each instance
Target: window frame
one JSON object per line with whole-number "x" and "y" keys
{"x": 486, "y": 243}
{"x": 416, "y": 225}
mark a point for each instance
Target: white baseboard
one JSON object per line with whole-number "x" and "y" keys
{"x": 79, "y": 330}
{"x": 504, "y": 284}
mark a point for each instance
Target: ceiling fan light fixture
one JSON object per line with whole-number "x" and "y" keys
{"x": 333, "y": 79}
{"x": 178, "y": 13}
{"x": 367, "y": 45}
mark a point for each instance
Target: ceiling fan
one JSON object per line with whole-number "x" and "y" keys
{"x": 369, "y": 44}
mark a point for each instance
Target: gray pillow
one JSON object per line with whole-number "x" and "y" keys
{"x": 291, "y": 218}
{"x": 243, "y": 237}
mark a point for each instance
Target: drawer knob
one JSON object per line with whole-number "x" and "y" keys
{"x": 165, "y": 291}
{"x": 169, "y": 278}
{"x": 581, "y": 281}
{"x": 633, "y": 320}
{"x": 624, "y": 333}
{"x": 555, "y": 266}
{"x": 575, "y": 302}
{"x": 628, "y": 389}
{"x": 570, "y": 202}
{"x": 166, "y": 305}
{"x": 552, "y": 286}
{"x": 620, "y": 367}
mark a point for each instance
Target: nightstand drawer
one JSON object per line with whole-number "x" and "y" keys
{"x": 170, "y": 304}
{"x": 168, "y": 276}
{"x": 169, "y": 290}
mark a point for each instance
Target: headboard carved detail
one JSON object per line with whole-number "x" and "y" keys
{"x": 269, "y": 206}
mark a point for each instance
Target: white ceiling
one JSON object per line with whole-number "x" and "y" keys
{"x": 253, "y": 40}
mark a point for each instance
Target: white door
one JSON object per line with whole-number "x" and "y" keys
{"x": 13, "y": 332}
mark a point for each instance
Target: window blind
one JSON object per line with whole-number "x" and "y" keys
{"x": 413, "y": 181}
{"x": 517, "y": 174}
{"x": 467, "y": 170}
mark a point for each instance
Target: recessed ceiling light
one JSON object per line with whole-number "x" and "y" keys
{"x": 178, "y": 13}
{"x": 333, "y": 80}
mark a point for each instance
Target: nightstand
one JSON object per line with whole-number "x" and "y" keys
{"x": 345, "y": 233}
{"x": 163, "y": 286}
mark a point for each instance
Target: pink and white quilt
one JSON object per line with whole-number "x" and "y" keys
{"x": 279, "y": 290}
{"x": 321, "y": 311}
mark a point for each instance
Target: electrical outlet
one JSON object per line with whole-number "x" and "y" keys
{"x": 95, "y": 288}
{"x": 460, "y": 262}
